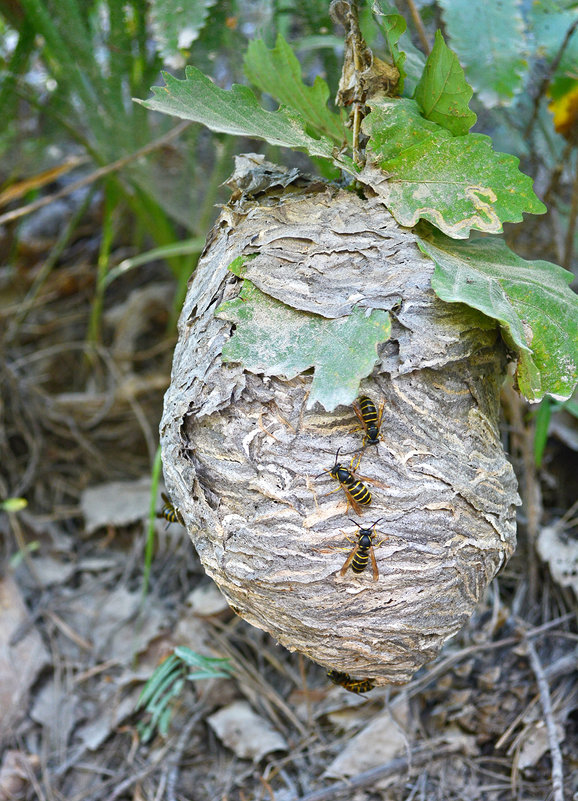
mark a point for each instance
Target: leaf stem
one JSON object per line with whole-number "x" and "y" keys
{"x": 571, "y": 230}
{"x": 417, "y": 21}
{"x": 547, "y": 78}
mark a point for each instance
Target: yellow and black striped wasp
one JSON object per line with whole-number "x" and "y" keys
{"x": 356, "y": 492}
{"x": 169, "y": 511}
{"x": 353, "y": 685}
{"x": 363, "y": 551}
{"x": 369, "y": 418}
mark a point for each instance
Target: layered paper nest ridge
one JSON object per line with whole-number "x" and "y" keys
{"x": 241, "y": 451}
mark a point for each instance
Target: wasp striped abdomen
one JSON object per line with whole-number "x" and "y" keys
{"x": 352, "y": 486}
{"x": 361, "y": 557}
{"x": 355, "y": 490}
{"x": 369, "y": 418}
{"x": 363, "y": 551}
{"x": 169, "y": 511}
{"x": 353, "y": 685}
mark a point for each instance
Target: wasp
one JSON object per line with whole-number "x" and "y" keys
{"x": 353, "y": 685}
{"x": 369, "y": 418}
{"x": 355, "y": 490}
{"x": 169, "y": 511}
{"x": 363, "y": 551}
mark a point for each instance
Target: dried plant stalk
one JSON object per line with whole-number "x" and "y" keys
{"x": 241, "y": 451}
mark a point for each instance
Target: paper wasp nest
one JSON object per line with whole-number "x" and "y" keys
{"x": 241, "y": 451}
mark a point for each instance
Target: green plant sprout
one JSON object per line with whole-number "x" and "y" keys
{"x": 167, "y": 682}
{"x": 542, "y": 417}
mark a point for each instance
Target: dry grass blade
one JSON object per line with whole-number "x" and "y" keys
{"x": 556, "y": 754}
{"x": 256, "y": 686}
{"x": 39, "y": 180}
{"x": 396, "y": 766}
{"x": 170, "y": 772}
{"x": 15, "y": 214}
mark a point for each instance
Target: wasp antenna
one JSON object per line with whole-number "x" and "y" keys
{"x": 373, "y": 525}
{"x": 355, "y": 522}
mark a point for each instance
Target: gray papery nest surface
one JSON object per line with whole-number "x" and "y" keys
{"x": 242, "y": 452}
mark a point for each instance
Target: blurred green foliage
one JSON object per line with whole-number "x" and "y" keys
{"x": 70, "y": 69}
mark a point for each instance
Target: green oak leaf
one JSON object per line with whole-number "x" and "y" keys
{"x": 443, "y": 93}
{"x": 235, "y": 111}
{"x": 278, "y": 73}
{"x": 490, "y": 43}
{"x": 456, "y": 182}
{"x": 537, "y": 310}
{"x": 274, "y": 339}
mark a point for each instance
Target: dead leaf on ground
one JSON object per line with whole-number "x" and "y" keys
{"x": 15, "y": 772}
{"x": 246, "y": 733}
{"x": 20, "y": 662}
{"x": 207, "y": 600}
{"x": 379, "y": 742}
{"x": 50, "y": 570}
{"x": 559, "y": 549}
{"x": 121, "y": 628}
{"x": 56, "y": 708}
{"x": 536, "y": 744}
{"x": 118, "y": 503}
{"x": 112, "y": 713}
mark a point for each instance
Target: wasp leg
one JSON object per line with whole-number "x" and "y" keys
{"x": 351, "y": 468}
{"x": 331, "y": 493}
{"x": 381, "y": 542}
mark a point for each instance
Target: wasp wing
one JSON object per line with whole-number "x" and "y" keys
{"x": 348, "y": 561}
{"x": 350, "y": 499}
{"x": 373, "y": 564}
{"x": 373, "y": 481}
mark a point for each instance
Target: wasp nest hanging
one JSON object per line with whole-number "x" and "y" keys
{"x": 246, "y": 454}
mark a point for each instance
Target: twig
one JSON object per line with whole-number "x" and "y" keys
{"x": 134, "y": 778}
{"x": 15, "y": 214}
{"x": 523, "y": 442}
{"x": 254, "y": 686}
{"x": 557, "y": 773}
{"x": 572, "y": 217}
{"x": 40, "y": 278}
{"x": 440, "y": 668}
{"x": 396, "y": 766}
{"x": 171, "y": 769}
{"x": 68, "y": 631}
{"x": 354, "y": 34}
{"x": 417, "y": 21}
{"x": 546, "y": 80}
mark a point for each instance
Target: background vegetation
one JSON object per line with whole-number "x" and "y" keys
{"x": 104, "y": 209}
